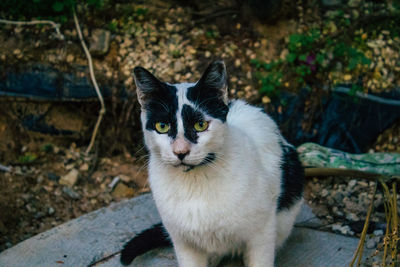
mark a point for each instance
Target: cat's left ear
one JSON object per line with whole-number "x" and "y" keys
{"x": 215, "y": 79}
{"x": 146, "y": 84}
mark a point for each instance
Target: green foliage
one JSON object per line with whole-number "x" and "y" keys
{"x": 58, "y": 10}
{"x": 130, "y": 21}
{"x": 47, "y": 148}
{"x": 27, "y": 158}
{"x": 334, "y": 53}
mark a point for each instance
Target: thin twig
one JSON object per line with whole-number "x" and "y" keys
{"x": 96, "y": 87}
{"x": 35, "y": 22}
{"x": 389, "y": 219}
{"x": 394, "y": 225}
{"x": 360, "y": 247}
{"x": 386, "y": 238}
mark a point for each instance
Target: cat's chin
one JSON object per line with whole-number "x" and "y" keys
{"x": 190, "y": 166}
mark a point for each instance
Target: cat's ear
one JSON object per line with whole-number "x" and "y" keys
{"x": 215, "y": 78}
{"x": 146, "y": 84}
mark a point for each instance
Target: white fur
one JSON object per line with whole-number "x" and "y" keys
{"x": 229, "y": 205}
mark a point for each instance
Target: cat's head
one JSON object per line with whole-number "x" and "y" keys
{"x": 184, "y": 124}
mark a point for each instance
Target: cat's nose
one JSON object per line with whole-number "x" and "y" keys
{"x": 181, "y": 148}
{"x": 181, "y": 156}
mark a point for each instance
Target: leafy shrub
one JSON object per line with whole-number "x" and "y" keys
{"x": 335, "y": 53}
{"x": 55, "y": 9}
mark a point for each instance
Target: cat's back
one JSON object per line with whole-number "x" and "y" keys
{"x": 255, "y": 123}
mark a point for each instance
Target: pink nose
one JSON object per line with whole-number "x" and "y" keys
{"x": 181, "y": 147}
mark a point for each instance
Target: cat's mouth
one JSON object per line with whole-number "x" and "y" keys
{"x": 208, "y": 159}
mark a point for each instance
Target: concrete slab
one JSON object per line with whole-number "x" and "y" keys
{"x": 97, "y": 238}
{"x": 87, "y": 239}
{"x": 304, "y": 248}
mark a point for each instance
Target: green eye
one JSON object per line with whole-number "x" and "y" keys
{"x": 201, "y": 126}
{"x": 162, "y": 127}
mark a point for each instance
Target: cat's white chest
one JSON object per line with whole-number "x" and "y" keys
{"x": 203, "y": 221}
{"x": 211, "y": 213}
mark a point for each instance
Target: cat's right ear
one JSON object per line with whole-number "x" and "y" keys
{"x": 146, "y": 84}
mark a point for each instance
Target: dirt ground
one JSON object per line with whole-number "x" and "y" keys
{"x": 53, "y": 181}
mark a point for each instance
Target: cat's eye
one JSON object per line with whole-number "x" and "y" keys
{"x": 201, "y": 126}
{"x": 162, "y": 127}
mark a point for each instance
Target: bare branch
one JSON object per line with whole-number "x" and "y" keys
{"x": 36, "y": 22}
{"x": 93, "y": 78}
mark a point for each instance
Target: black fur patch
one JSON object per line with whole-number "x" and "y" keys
{"x": 162, "y": 106}
{"x": 292, "y": 178}
{"x": 208, "y": 100}
{"x": 189, "y": 117}
{"x": 154, "y": 237}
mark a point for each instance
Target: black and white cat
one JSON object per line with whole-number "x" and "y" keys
{"x": 223, "y": 178}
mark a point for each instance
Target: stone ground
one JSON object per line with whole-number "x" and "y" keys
{"x": 97, "y": 238}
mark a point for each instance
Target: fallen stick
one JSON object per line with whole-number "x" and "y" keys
{"x": 314, "y": 172}
{"x": 36, "y": 22}
{"x": 93, "y": 78}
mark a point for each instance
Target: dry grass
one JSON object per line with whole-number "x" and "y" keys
{"x": 391, "y": 239}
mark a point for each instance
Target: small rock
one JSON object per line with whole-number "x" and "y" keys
{"x": 69, "y": 166}
{"x": 352, "y": 217}
{"x": 324, "y": 193}
{"x": 352, "y": 183}
{"x": 343, "y": 229}
{"x": 125, "y": 178}
{"x": 100, "y": 42}
{"x": 51, "y": 211}
{"x": 71, "y": 193}
{"x": 53, "y": 177}
{"x": 378, "y": 232}
{"x": 39, "y": 215}
{"x": 371, "y": 243}
{"x": 266, "y": 100}
{"x": 70, "y": 179}
{"x": 84, "y": 167}
{"x": 121, "y": 191}
{"x": 70, "y": 58}
{"x": 338, "y": 197}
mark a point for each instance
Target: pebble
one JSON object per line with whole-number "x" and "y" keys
{"x": 338, "y": 197}
{"x": 39, "y": 215}
{"x": 352, "y": 217}
{"x": 122, "y": 191}
{"x": 378, "y": 232}
{"x": 53, "y": 176}
{"x": 371, "y": 243}
{"x": 70, "y": 179}
{"x": 51, "y": 211}
{"x": 324, "y": 193}
{"x": 125, "y": 178}
{"x": 100, "y": 42}
{"x": 343, "y": 229}
{"x": 71, "y": 192}
{"x": 84, "y": 167}
{"x": 352, "y": 183}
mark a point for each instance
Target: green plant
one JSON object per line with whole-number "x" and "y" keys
{"x": 27, "y": 158}
{"x": 339, "y": 51}
{"x": 58, "y": 10}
